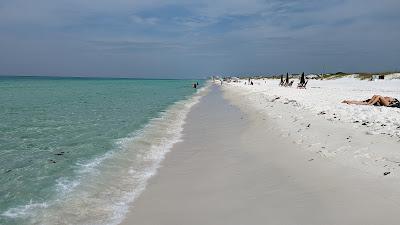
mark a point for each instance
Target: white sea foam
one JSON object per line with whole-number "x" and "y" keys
{"x": 65, "y": 185}
{"x": 106, "y": 186}
{"x": 25, "y": 210}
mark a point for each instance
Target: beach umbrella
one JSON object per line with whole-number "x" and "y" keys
{"x": 287, "y": 78}
{"x": 302, "y": 79}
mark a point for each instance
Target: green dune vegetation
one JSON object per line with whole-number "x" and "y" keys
{"x": 359, "y": 75}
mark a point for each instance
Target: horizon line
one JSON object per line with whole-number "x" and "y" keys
{"x": 96, "y": 77}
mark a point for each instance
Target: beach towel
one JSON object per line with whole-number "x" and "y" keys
{"x": 395, "y": 103}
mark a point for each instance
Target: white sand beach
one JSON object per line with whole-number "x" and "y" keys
{"x": 248, "y": 157}
{"x": 365, "y": 137}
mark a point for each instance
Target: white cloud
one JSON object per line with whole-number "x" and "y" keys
{"x": 200, "y": 28}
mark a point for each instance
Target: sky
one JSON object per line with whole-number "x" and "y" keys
{"x": 190, "y": 39}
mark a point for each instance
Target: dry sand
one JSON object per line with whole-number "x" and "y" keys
{"x": 233, "y": 167}
{"x": 315, "y": 120}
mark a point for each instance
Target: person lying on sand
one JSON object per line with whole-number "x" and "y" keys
{"x": 376, "y": 100}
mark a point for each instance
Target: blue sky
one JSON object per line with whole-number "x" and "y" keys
{"x": 185, "y": 38}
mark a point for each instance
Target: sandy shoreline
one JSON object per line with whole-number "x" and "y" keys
{"x": 237, "y": 166}
{"x": 314, "y": 120}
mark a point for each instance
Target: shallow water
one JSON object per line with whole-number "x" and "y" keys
{"x": 77, "y": 151}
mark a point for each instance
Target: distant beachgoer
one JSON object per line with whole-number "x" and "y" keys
{"x": 251, "y": 82}
{"x": 376, "y": 100}
{"x": 194, "y": 85}
{"x": 197, "y": 83}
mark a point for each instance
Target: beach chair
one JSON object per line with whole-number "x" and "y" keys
{"x": 303, "y": 82}
{"x": 302, "y": 85}
{"x": 286, "y": 84}
{"x": 281, "y": 83}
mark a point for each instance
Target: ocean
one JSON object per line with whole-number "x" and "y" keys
{"x": 80, "y": 150}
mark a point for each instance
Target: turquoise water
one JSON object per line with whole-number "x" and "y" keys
{"x": 55, "y": 131}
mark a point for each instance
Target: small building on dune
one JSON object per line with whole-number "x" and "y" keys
{"x": 378, "y": 77}
{"x": 386, "y": 76}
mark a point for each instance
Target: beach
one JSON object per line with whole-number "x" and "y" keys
{"x": 211, "y": 112}
{"x": 364, "y": 137}
{"x": 132, "y": 151}
{"x": 249, "y": 157}
{"x": 80, "y": 150}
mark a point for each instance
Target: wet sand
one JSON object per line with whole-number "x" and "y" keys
{"x": 233, "y": 168}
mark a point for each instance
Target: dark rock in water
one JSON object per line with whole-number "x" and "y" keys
{"x": 310, "y": 160}
{"x": 364, "y": 124}
{"x": 386, "y": 173}
{"x": 322, "y": 113}
{"x": 356, "y": 121}
{"x": 309, "y": 125}
{"x": 52, "y": 161}
{"x": 8, "y": 171}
